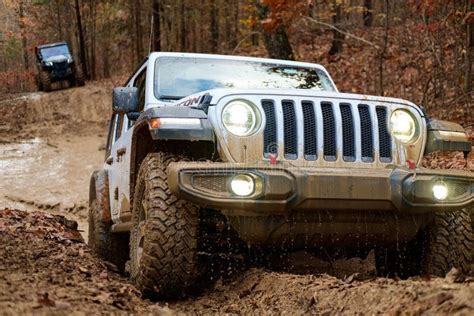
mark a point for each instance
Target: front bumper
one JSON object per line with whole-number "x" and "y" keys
{"x": 284, "y": 188}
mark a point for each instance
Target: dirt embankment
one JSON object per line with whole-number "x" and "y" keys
{"x": 75, "y": 111}
{"x": 45, "y": 268}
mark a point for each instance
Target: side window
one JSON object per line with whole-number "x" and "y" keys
{"x": 140, "y": 84}
{"x": 111, "y": 133}
{"x": 118, "y": 126}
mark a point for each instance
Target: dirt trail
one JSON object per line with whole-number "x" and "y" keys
{"x": 49, "y": 145}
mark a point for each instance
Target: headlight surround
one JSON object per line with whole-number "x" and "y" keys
{"x": 404, "y": 126}
{"x": 240, "y": 118}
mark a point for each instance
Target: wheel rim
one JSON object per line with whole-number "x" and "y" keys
{"x": 141, "y": 231}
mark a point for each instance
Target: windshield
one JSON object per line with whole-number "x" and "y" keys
{"x": 177, "y": 77}
{"x": 49, "y": 52}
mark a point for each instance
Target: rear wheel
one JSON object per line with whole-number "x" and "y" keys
{"x": 164, "y": 237}
{"x": 79, "y": 77}
{"x": 38, "y": 83}
{"x": 45, "y": 81}
{"x": 109, "y": 246}
{"x": 446, "y": 243}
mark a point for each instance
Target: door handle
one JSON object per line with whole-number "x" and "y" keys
{"x": 109, "y": 160}
{"x": 121, "y": 151}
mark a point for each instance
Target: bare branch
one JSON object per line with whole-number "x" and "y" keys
{"x": 243, "y": 40}
{"x": 343, "y": 32}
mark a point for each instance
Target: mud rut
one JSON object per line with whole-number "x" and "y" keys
{"x": 49, "y": 145}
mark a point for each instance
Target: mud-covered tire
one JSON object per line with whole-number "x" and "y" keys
{"x": 164, "y": 236}
{"x": 446, "y": 242}
{"x": 38, "y": 83}
{"x": 45, "y": 81}
{"x": 449, "y": 243}
{"x": 79, "y": 76}
{"x": 109, "y": 246}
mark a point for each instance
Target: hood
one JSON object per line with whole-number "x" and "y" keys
{"x": 215, "y": 95}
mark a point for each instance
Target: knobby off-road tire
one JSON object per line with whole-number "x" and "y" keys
{"x": 79, "y": 76}
{"x": 446, "y": 242}
{"x": 38, "y": 83}
{"x": 108, "y": 246}
{"x": 164, "y": 237}
{"x": 45, "y": 81}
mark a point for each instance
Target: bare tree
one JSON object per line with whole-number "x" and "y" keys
{"x": 156, "y": 7}
{"x": 138, "y": 30}
{"x": 469, "y": 21}
{"x": 214, "y": 27}
{"x": 368, "y": 15}
{"x": 338, "y": 37}
{"x": 276, "y": 41}
{"x": 380, "y": 89}
{"x": 21, "y": 14}
{"x": 82, "y": 45}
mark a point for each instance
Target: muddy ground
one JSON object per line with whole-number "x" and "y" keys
{"x": 49, "y": 145}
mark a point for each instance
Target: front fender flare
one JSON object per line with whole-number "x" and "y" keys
{"x": 446, "y": 136}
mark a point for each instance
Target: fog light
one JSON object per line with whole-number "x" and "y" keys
{"x": 440, "y": 191}
{"x": 242, "y": 185}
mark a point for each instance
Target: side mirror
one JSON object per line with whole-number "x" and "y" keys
{"x": 125, "y": 100}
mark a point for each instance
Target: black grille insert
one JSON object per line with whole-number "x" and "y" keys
{"x": 348, "y": 137}
{"x": 385, "y": 140}
{"x": 366, "y": 133}
{"x": 310, "y": 134}
{"x": 290, "y": 130}
{"x": 270, "y": 145}
{"x": 329, "y": 131}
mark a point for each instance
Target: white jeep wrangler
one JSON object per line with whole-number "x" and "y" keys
{"x": 270, "y": 152}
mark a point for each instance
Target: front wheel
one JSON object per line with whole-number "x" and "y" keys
{"x": 164, "y": 236}
{"x": 446, "y": 242}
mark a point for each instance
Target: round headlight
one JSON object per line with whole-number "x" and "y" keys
{"x": 239, "y": 118}
{"x": 404, "y": 126}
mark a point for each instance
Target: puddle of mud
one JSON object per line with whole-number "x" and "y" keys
{"x": 49, "y": 174}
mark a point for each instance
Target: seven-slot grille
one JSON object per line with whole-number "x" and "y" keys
{"x": 358, "y": 124}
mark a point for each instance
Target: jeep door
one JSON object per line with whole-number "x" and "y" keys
{"x": 113, "y": 160}
{"x": 123, "y": 152}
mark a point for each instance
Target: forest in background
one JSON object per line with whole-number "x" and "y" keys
{"x": 420, "y": 50}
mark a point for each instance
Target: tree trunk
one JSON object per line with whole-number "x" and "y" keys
{"x": 138, "y": 30}
{"x": 93, "y": 73}
{"x": 368, "y": 17}
{"x": 214, "y": 27}
{"x": 380, "y": 89}
{"x": 58, "y": 22}
{"x": 338, "y": 37}
{"x": 276, "y": 42}
{"x": 24, "y": 43}
{"x": 183, "y": 17}
{"x": 82, "y": 45}
{"x": 156, "y": 26}
{"x": 469, "y": 45}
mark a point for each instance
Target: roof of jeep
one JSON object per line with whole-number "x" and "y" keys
{"x": 51, "y": 45}
{"x": 155, "y": 55}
